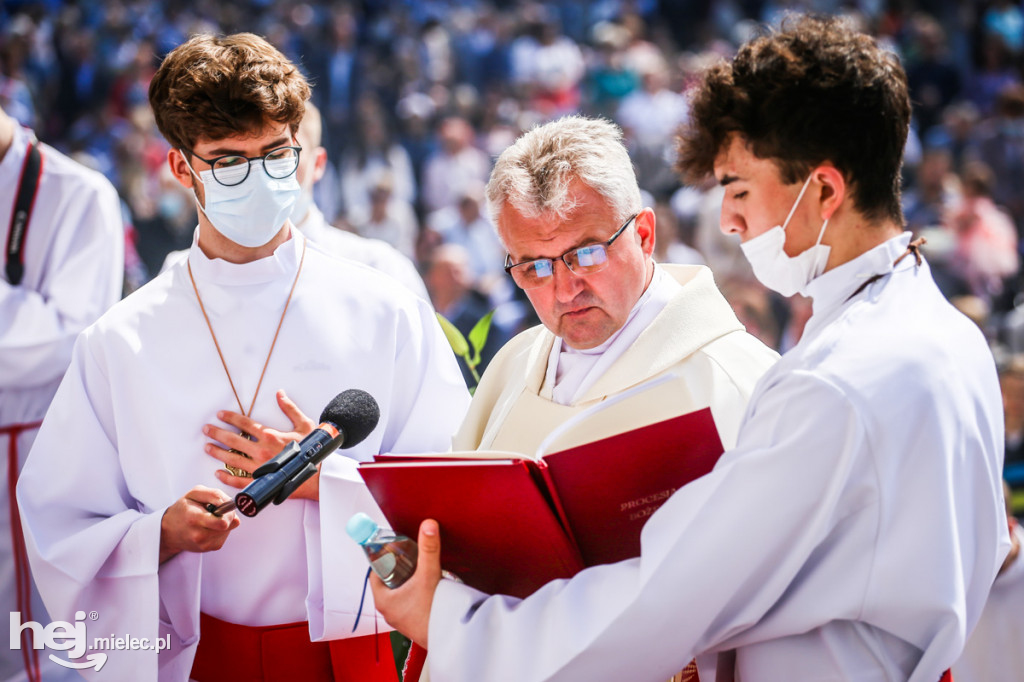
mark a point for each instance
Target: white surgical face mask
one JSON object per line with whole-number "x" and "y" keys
{"x": 253, "y": 211}
{"x": 777, "y": 271}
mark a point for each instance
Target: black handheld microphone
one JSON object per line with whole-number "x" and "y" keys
{"x": 346, "y": 421}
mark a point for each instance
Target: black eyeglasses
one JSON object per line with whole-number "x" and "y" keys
{"x": 232, "y": 169}
{"x": 583, "y": 260}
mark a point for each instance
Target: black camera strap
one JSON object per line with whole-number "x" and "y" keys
{"x": 24, "y": 201}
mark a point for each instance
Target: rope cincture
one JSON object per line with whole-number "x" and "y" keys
{"x": 913, "y": 247}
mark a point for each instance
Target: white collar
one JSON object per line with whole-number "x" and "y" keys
{"x": 586, "y": 366}
{"x": 657, "y": 280}
{"x": 833, "y": 288}
{"x": 283, "y": 261}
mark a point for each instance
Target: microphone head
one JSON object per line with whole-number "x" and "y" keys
{"x": 355, "y": 413}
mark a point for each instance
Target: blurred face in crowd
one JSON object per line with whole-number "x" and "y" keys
{"x": 934, "y": 168}
{"x": 448, "y": 278}
{"x": 455, "y": 135}
{"x": 469, "y": 209}
{"x": 584, "y": 310}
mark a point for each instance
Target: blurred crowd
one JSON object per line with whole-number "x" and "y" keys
{"x": 418, "y": 97}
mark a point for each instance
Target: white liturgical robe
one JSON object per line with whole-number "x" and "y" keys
{"x": 852, "y": 534}
{"x": 74, "y": 268}
{"x": 123, "y": 441}
{"x": 376, "y": 253}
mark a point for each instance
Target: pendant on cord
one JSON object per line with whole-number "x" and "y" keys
{"x": 234, "y": 471}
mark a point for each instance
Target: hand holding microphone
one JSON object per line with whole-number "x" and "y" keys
{"x": 242, "y": 443}
{"x": 346, "y": 421}
{"x": 186, "y": 527}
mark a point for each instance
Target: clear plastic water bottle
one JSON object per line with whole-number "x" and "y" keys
{"x": 392, "y": 557}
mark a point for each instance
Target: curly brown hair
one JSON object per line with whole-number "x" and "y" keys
{"x": 814, "y": 91}
{"x": 215, "y": 87}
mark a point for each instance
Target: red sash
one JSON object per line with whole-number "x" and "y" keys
{"x": 22, "y": 575}
{"x": 283, "y": 653}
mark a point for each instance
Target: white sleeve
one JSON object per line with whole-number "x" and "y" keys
{"x": 713, "y": 562}
{"x": 402, "y": 269}
{"x": 393, "y": 262}
{"x": 91, "y": 545}
{"x": 333, "y": 603}
{"x": 83, "y": 276}
{"x": 427, "y": 403}
{"x": 429, "y": 396}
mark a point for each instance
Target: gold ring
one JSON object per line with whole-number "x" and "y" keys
{"x": 241, "y": 473}
{"x": 234, "y": 471}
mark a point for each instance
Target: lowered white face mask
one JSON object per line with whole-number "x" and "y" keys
{"x": 779, "y": 272}
{"x": 253, "y": 211}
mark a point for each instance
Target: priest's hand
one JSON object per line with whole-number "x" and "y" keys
{"x": 186, "y": 526}
{"x": 261, "y": 444}
{"x": 407, "y": 607}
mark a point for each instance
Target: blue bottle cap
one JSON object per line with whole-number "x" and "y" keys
{"x": 361, "y": 527}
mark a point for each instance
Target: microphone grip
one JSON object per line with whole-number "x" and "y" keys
{"x": 293, "y": 485}
{"x": 275, "y": 486}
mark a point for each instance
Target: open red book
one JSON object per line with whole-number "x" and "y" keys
{"x": 510, "y": 524}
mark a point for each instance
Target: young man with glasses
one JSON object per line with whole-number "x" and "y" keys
{"x": 115, "y": 492}
{"x": 308, "y": 219}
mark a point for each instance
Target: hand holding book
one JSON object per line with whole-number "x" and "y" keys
{"x": 512, "y": 523}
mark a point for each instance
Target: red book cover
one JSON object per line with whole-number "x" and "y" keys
{"x": 510, "y": 524}
{"x": 609, "y": 488}
{"x": 499, "y": 533}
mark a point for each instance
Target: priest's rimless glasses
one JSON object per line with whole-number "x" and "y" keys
{"x": 583, "y": 260}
